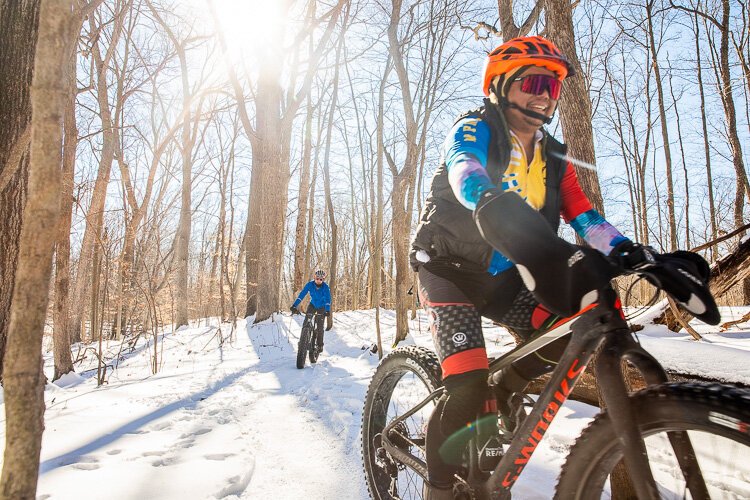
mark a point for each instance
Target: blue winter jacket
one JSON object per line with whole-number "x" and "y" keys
{"x": 320, "y": 296}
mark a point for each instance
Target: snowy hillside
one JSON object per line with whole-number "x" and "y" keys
{"x": 238, "y": 420}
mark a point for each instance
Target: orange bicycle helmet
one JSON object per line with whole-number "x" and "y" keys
{"x": 525, "y": 51}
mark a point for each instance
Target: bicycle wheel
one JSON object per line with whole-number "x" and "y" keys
{"x": 716, "y": 418}
{"x": 314, "y": 347}
{"x": 402, "y": 380}
{"x": 302, "y": 346}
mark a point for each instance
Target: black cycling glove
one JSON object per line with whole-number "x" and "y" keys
{"x": 683, "y": 275}
{"x": 562, "y": 276}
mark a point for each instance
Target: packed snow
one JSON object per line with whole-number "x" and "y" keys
{"x": 228, "y": 414}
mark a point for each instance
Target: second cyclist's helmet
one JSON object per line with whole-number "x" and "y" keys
{"x": 524, "y": 51}
{"x": 320, "y": 274}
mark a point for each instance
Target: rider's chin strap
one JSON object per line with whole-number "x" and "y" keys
{"x": 546, "y": 119}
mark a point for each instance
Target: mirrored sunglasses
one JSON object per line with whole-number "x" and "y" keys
{"x": 537, "y": 84}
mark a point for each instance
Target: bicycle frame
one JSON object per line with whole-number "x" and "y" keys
{"x": 601, "y": 325}
{"x": 310, "y": 319}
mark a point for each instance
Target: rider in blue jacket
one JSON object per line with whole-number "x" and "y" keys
{"x": 320, "y": 302}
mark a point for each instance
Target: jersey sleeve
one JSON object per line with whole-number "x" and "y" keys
{"x": 301, "y": 295}
{"x": 327, "y": 297}
{"x": 577, "y": 210}
{"x": 465, "y": 153}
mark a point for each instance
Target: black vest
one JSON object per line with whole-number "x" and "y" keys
{"x": 446, "y": 227}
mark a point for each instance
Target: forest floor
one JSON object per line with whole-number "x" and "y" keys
{"x": 237, "y": 419}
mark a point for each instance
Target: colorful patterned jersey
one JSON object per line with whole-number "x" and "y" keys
{"x": 466, "y": 149}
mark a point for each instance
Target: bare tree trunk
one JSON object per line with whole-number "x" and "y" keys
{"x": 706, "y": 146}
{"x": 377, "y": 256}
{"x": 273, "y": 166}
{"x": 95, "y": 277}
{"x": 311, "y": 219}
{"x": 724, "y": 78}
{"x": 575, "y": 106}
{"x": 18, "y": 30}
{"x": 684, "y": 163}
{"x": 23, "y": 376}
{"x": 664, "y": 127}
{"x": 304, "y": 186}
{"x": 326, "y": 162}
{"x": 252, "y": 238}
{"x": 182, "y": 243}
{"x": 61, "y": 339}
{"x": 508, "y": 26}
{"x": 727, "y": 100}
{"x": 403, "y": 179}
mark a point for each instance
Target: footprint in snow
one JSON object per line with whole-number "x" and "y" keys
{"x": 164, "y": 462}
{"x": 85, "y": 466}
{"x": 161, "y": 426}
{"x": 187, "y": 442}
{"x": 153, "y": 453}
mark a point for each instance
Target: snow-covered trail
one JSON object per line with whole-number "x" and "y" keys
{"x": 238, "y": 420}
{"x": 306, "y": 426}
{"x": 235, "y": 421}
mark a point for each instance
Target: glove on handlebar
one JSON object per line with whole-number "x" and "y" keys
{"x": 294, "y": 310}
{"x": 683, "y": 275}
{"x": 563, "y": 277}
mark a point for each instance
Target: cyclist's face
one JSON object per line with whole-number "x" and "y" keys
{"x": 319, "y": 280}
{"x": 542, "y": 103}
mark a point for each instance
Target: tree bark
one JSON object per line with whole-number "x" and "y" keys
{"x": 333, "y": 268}
{"x": 403, "y": 179}
{"x": 61, "y": 311}
{"x": 23, "y": 376}
{"x": 664, "y": 126}
{"x": 706, "y": 146}
{"x": 18, "y": 30}
{"x": 304, "y": 189}
{"x": 575, "y": 104}
{"x": 300, "y": 240}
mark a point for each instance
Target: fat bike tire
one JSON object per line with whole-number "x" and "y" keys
{"x": 715, "y": 417}
{"x": 302, "y": 347}
{"x": 404, "y": 378}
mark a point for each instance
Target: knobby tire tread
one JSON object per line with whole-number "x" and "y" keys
{"x": 661, "y": 406}
{"x": 424, "y": 363}
{"x": 302, "y": 346}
